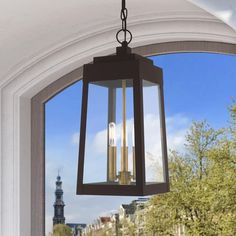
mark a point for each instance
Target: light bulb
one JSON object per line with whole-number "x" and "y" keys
{"x": 112, "y": 134}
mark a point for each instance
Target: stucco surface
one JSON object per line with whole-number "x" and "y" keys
{"x": 30, "y": 29}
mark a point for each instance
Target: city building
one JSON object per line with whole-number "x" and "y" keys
{"x": 101, "y": 226}
{"x": 127, "y": 221}
{"x": 76, "y": 228}
{"x": 132, "y": 217}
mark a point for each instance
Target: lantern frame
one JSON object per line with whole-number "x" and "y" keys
{"x": 125, "y": 66}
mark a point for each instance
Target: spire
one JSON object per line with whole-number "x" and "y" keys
{"x": 59, "y": 203}
{"x": 58, "y": 175}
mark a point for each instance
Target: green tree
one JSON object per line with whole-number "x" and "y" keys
{"x": 202, "y": 197}
{"x": 128, "y": 227}
{"x": 61, "y": 230}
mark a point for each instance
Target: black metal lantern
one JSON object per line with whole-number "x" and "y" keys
{"x": 123, "y": 147}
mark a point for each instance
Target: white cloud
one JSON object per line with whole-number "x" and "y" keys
{"x": 177, "y": 127}
{"x": 225, "y": 15}
{"x": 75, "y": 138}
{"x": 98, "y": 144}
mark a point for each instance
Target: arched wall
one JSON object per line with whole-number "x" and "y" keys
{"x": 37, "y": 112}
{"x": 17, "y": 181}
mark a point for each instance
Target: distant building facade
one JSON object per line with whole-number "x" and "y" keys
{"x": 129, "y": 220}
{"x": 131, "y": 217}
{"x": 76, "y": 228}
{"x": 101, "y": 226}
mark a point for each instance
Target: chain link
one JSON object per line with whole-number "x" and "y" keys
{"x": 123, "y": 17}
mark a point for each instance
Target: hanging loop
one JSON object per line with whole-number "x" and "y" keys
{"x": 123, "y": 17}
{"x": 125, "y": 36}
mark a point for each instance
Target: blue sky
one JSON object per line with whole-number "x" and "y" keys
{"x": 197, "y": 86}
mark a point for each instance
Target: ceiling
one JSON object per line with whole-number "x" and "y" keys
{"x": 29, "y": 28}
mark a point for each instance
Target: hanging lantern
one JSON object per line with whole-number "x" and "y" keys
{"x": 122, "y": 148}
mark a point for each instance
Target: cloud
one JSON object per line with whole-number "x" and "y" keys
{"x": 225, "y": 15}
{"x": 75, "y": 138}
{"x": 177, "y": 127}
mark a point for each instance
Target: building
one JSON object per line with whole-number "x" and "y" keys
{"x": 76, "y": 228}
{"x": 127, "y": 221}
{"x": 131, "y": 217}
{"x": 101, "y": 226}
{"x": 59, "y": 203}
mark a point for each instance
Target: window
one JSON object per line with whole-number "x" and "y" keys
{"x": 180, "y": 87}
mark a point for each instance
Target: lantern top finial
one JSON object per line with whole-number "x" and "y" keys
{"x": 124, "y": 49}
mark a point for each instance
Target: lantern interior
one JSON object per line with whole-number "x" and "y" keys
{"x": 109, "y": 144}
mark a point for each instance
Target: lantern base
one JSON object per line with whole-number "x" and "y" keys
{"x": 115, "y": 189}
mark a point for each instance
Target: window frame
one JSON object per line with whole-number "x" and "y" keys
{"x": 38, "y": 117}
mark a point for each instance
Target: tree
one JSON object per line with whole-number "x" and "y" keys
{"x": 203, "y": 190}
{"x": 128, "y": 227}
{"x": 61, "y": 230}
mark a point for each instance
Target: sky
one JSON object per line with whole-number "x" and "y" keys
{"x": 197, "y": 86}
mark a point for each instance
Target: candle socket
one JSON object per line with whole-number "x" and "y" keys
{"x": 124, "y": 177}
{"x": 112, "y": 164}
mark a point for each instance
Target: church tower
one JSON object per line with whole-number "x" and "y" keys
{"x": 59, "y": 204}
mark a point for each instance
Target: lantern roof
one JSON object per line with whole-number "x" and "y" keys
{"x": 122, "y": 65}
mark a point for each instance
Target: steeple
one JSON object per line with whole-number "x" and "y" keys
{"x": 58, "y": 204}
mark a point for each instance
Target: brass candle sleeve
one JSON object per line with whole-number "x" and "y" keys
{"x": 124, "y": 174}
{"x": 112, "y": 164}
{"x": 124, "y": 112}
{"x": 134, "y": 164}
{"x": 124, "y": 158}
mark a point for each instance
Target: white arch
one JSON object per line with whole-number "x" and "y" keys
{"x": 21, "y": 85}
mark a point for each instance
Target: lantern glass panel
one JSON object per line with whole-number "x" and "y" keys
{"x": 152, "y": 133}
{"x": 109, "y": 145}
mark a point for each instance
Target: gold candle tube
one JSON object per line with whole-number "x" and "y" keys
{"x": 112, "y": 164}
{"x": 124, "y": 174}
{"x": 124, "y": 114}
{"x": 134, "y": 164}
{"x": 112, "y": 152}
{"x": 124, "y": 158}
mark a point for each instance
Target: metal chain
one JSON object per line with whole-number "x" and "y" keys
{"x": 123, "y": 17}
